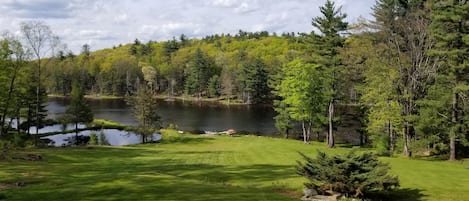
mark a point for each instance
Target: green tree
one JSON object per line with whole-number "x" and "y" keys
{"x": 283, "y": 121}
{"x": 78, "y": 111}
{"x": 254, "y": 79}
{"x": 150, "y": 76}
{"x": 331, "y": 24}
{"x": 144, "y": 106}
{"x": 13, "y": 58}
{"x": 450, "y": 29}
{"x": 354, "y": 175}
{"x": 199, "y": 73}
{"x": 41, "y": 41}
{"x": 304, "y": 92}
{"x": 214, "y": 86}
{"x": 408, "y": 48}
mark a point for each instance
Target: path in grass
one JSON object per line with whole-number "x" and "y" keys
{"x": 203, "y": 168}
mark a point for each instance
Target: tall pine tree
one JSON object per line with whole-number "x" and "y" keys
{"x": 78, "y": 111}
{"x": 450, "y": 29}
{"x": 325, "y": 47}
{"x": 199, "y": 73}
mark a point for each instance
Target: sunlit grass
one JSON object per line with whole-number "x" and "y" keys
{"x": 203, "y": 168}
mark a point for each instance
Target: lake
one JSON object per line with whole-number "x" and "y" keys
{"x": 188, "y": 116}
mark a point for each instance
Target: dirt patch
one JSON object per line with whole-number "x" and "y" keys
{"x": 4, "y": 186}
{"x": 29, "y": 157}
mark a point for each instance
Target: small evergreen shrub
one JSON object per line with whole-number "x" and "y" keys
{"x": 353, "y": 175}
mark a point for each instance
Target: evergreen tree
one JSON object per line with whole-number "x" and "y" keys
{"x": 331, "y": 24}
{"x": 198, "y": 73}
{"x": 135, "y": 48}
{"x": 283, "y": 121}
{"x": 450, "y": 29}
{"x": 144, "y": 106}
{"x": 36, "y": 112}
{"x": 355, "y": 175}
{"x": 214, "y": 86}
{"x": 78, "y": 111}
{"x": 254, "y": 79}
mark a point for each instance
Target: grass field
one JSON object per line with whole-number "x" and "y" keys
{"x": 202, "y": 168}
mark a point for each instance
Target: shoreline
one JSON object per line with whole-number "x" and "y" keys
{"x": 166, "y": 98}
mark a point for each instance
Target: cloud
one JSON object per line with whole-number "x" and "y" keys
{"x": 104, "y": 23}
{"x": 224, "y": 3}
{"x": 245, "y": 7}
{"x": 168, "y": 30}
{"x": 37, "y": 9}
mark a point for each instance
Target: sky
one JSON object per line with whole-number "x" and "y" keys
{"x": 108, "y": 23}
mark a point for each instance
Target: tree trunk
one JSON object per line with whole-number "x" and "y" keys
{"x": 330, "y": 138}
{"x": 38, "y": 94}
{"x": 391, "y": 138}
{"x": 18, "y": 120}
{"x": 304, "y": 132}
{"x": 454, "y": 121}
{"x": 452, "y": 146}
{"x": 407, "y": 151}
{"x": 76, "y": 133}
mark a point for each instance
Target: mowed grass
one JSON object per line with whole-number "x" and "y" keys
{"x": 202, "y": 168}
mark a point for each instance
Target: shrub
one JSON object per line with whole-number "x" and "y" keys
{"x": 93, "y": 139}
{"x": 350, "y": 174}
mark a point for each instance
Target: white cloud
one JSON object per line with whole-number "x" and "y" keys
{"x": 122, "y": 18}
{"x": 104, "y": 23}
{"x": 224, "y": 3}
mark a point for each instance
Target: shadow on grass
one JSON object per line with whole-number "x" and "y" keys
{"x": 143, "y": 173}
{"x": 404, "y": 194}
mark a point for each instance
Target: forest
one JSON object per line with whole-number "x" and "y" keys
{"x": 406, "y": 69}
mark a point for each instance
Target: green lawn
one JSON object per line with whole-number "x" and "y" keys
{"x": 202, "y": 168}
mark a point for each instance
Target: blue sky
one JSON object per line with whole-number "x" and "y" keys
{"x": 105, "y": 23}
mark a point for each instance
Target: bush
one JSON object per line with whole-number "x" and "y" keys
{"x": 350, "y": 174}
{"x": 93, "y": 139}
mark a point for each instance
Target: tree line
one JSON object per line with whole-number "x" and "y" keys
{"x": 406, "y": 69}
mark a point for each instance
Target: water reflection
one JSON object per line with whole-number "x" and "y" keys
{"x": 186, "y": 115}
{"x": 113, "y": 136}
{"x": 56, "y": 128}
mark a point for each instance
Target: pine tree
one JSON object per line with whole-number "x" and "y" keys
{"x": 214, "y": 86}
{"x": 198, "y": 74}
{"x": 354, "y": 175}
{"x": 254, "y": 80}
{"x": 78, "y": 111}
{"x": 144, "y": 107}
{"x": 450, "y": 29}
{"x": 325, "y": 47}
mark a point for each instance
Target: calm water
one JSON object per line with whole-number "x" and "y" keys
{"x": 114, "y": 137}
{"x": 186, "y": 115}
